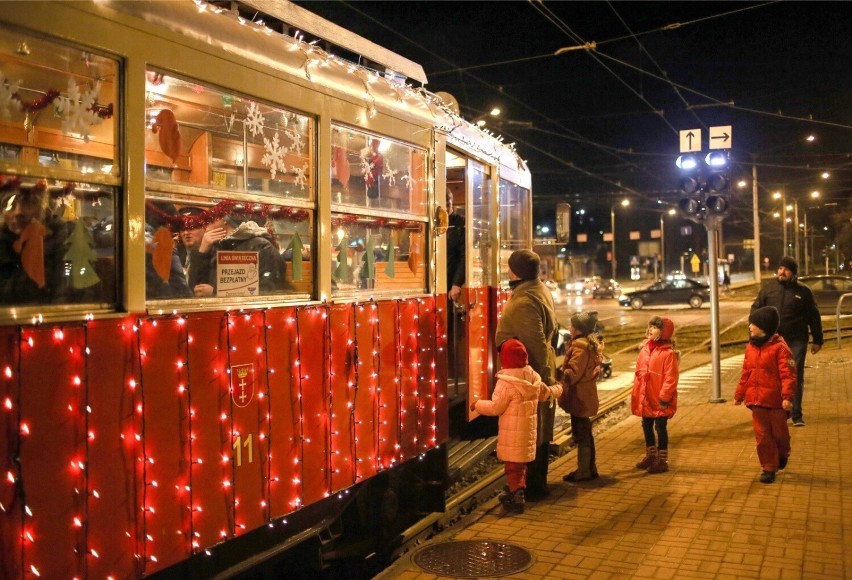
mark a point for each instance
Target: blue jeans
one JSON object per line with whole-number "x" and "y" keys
{"x": 800, "y": 349}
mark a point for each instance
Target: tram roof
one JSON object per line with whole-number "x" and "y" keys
{"x": 224, "y": 30}
{"x": 322, "y": 28}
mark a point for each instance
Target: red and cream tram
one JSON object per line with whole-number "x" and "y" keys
{"x": 223, "y": 312}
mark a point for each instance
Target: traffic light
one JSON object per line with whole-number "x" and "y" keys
{"x": 704, "y": 186}
{"x": 717, "y": 183}
{"x": 691, "y": 203}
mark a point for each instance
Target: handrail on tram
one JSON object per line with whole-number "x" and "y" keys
{"x": 838, "y": 316}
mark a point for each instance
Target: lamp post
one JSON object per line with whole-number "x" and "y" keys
{"x": 780, "y": 196}
{"x": 623, "y": 203}
{"x": 663, "y": 240}
{"x": 813, "y": 195}
{"x": 754, "y": 199}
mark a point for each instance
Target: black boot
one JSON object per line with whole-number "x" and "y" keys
{"x": 585, "y": 470}
{"x": 514, "y": 502}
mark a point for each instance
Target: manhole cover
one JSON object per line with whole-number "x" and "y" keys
{"x": 473, "y": 559}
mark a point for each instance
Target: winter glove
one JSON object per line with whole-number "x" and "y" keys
{"x": 664, "y": 404}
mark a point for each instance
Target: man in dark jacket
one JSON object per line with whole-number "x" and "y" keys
{"x": 799, "y": 314}
{"x": 529, "y": 316}
{"x": 238, "y": 234}
{"x": 455, "y": 250}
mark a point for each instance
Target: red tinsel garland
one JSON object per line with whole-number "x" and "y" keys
{"x": 36, "y": 105}
{"x": 351, "y": 219}
{"x": 259, "y": 213}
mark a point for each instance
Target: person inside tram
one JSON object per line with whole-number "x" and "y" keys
{"x": 190, "y": 237}
{"x": 236, "y": 233}
{"x": 32, "y": 245}
{"x": 455, "y": 250}
{"x": 164, "y": 275}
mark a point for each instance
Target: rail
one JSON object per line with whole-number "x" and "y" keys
{"x": 838, "y": 316}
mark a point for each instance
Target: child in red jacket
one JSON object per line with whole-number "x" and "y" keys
{"x": 767, "y": 387}
{"x": 515, "y": 400}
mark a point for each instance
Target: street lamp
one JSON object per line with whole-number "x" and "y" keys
{"x": 623, "y": 203}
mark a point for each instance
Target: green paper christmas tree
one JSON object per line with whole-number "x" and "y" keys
{"x": 296, "y": 246}
{"x": 341, "y": 273}
{"x": 389, "y": 269}
{"x": 82, "y": 257}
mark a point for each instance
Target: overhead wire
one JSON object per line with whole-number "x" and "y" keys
{"x": 505, "y": 95}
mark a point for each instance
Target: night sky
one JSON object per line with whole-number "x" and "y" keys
{"x": 599, "y": 125}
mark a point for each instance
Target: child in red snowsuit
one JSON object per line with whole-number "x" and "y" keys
{"x": 767, "y": 387}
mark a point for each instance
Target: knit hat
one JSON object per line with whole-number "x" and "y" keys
{"x": 236, "y": 220}
{"x": 790, "y": 264}
{"x": 766, "y": 319}
{"x": 666, "y": 326}
{"x": 513, "y": 355}
{"x": 585, "y": 322}
{"x": 524, "y": 264}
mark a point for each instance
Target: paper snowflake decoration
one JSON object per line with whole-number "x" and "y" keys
{"x": 298, "y": 142}
{"x": 389, "y": 174}
{"x": 408, "y": 180}
{"x": 7, "y": 101}
{"x": 77, "y": 109}
{"x": 274, "y": 156}
{"x": 254, "y": 120}
{"x": 366, "y": 164}
{"x": 301, "y": 174}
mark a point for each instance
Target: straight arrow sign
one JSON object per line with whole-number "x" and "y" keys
{"x": 690, "y": 140}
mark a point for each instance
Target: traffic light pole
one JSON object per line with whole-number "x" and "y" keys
{"x": 712, "y": 241}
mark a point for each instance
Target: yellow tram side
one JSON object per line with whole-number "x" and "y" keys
{"x": 175, "y": 419}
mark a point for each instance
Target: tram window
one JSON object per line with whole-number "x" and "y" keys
{"x": 377, "y": 254}
{"x": 58, "y": 197}
{"x": 376, "y": 172}
{"x": 57, "y": 243}
{"x": 514, "y": 223}
{"x": 202, "y": 135}
{"x": 60, "y": 108}
{"x": 207, "y": 249}
{"x": 479, "y": 220}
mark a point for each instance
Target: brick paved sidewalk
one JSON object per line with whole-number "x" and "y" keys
{"x": 708, "y": 517}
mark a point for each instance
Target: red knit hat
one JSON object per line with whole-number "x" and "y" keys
{"x": 513, "y": 355}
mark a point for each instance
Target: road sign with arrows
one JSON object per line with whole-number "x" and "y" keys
{"x": 720, "y": 137}
{"x": 690, "y": 140}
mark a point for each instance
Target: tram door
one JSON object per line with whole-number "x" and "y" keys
{"x": 469, "y": 183}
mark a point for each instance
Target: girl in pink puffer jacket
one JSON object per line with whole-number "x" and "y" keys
{"x": 515, "y": 401}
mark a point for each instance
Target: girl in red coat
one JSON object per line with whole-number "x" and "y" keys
{"x": 767, "y": 386}
{"x": 515, "y": 400}
{"x": 655, "y": 392}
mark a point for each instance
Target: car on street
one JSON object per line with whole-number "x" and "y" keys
{"x": 596, "y": 286}
{"x": 674, "y": 291}
{"x": 603, "y": 288}
{"x": 555, "y": 291}
{"x": 827, "y": 291}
